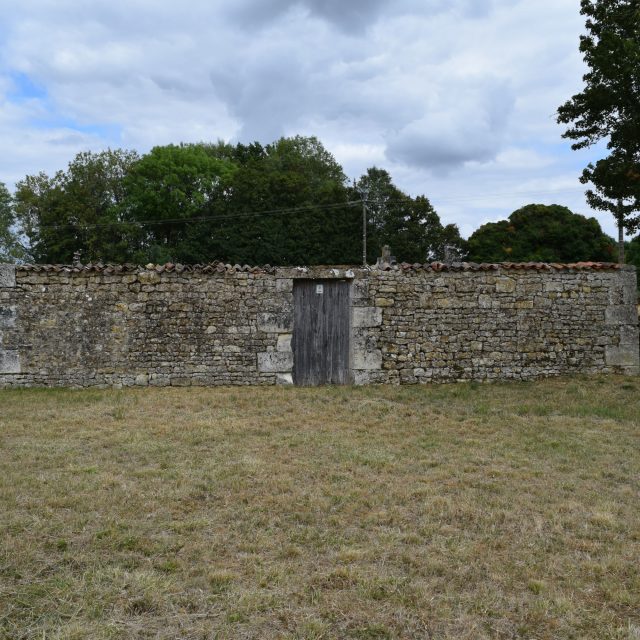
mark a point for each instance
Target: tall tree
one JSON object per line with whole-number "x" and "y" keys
{"x": 288, "y": 204}
{"x": 608, "y": 108}
{"x": 410, "y": 226}
{"x": 11, "y": 249}
{"x": 285, "y": 203}
{"x": 172, "y": 193}
{"x": 540, "y": 233}
{"x": 79, "y": 209}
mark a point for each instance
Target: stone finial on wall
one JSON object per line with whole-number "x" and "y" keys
{"x": 386, "y": 257}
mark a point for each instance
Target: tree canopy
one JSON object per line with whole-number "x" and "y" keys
{"x": 541, "y": 233}
{"x": 608, "y": 107}
{"x": 288, "y": 204}
{"x": 11, "y": 249}
{"x": 410, "y": 226}
{"x": 285, "y": 203}
{"x": 170, "y": 194}
{"x": 77, "y": 210}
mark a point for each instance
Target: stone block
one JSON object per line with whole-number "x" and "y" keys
{"x": 181, "y": 382}
{"x": 360, "y": 289}
{"x": 385, "y": 302}
{"x": 284, "y": 379}
{"x": 621, "y": 314}
{"x": 426, "y": 300}
{"x": 284, "y": 284}
{"x": 505, "y": 285}
{"x": 7, "y": 317}
{"x": 7, "y": 276}
{"x": 281, "y": 322}
{"x": 553, "y": 285}
{"x": 366, "y": 355}
{"x": 362, "y": 377}
{"x": 9, "y": 361}
{"x": 367, "y": 317}
{"x": 629, "y": 285}
{"x": 142, "y": 380}
{"x": 624, "y": 355}
{"x": 284, "y": 342}
{"x": 149, "y": 277}
{"x": 275, "y": 362}
{"x": 629, "y": 334}
{"x": 466, "y": 285}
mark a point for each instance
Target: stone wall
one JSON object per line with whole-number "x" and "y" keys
{"x": 217, "y": 324}
{"x": 503, "y": 323}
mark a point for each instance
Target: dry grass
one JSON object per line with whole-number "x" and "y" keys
{"x": 465, "y": 511}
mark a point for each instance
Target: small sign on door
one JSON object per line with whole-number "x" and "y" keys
{"x": 319, "y": 289}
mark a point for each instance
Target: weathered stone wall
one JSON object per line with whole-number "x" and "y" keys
{"x": 168, "y": 326}
{"x": 496, "y": 324}
{"x": 98, "y": 328}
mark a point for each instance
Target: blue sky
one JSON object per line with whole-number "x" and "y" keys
{"x": 456, "y": 98}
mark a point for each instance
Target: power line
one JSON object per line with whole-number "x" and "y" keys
{"x": 291, "y": 210}
{"x": 238, "y": 216}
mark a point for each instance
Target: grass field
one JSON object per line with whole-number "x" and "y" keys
{"x": 463, "y": 511}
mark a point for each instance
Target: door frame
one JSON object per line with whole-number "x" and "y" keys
{"x": 327, "y": 279}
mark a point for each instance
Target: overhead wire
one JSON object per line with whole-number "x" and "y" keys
{"x": 238, "y": 216}
{"x": 291, "y": 210}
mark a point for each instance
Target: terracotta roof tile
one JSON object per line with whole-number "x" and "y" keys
{"x": 169, "y": 267}
{"x": 518, "y": 266}
{"x": 220, "y": 267}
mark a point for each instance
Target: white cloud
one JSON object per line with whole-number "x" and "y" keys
{"x": 456, "y": 98}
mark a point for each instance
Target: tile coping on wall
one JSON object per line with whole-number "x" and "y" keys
{"x": 220, "y": 267}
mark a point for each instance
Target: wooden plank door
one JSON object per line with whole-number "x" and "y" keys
{"x": 321, "y": 332}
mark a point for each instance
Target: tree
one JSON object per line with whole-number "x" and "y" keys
{"x": 410, "y": 226}
{"x": 608, "y": 108}
{"x": 617, "y": 190}
{"x": 172, "y": 192}
{"x": 11, "y": 249}
{"x": 78, "y": 210}
{"x": 541, "y": 233}
{"x": 288, "y": 204}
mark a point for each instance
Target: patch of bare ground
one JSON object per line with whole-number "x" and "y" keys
{"x": 464, "y": 511}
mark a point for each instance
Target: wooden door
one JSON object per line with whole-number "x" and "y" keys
{"x": 321, "y": 332}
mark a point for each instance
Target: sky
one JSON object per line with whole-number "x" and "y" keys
{"x": 455, "y": 98}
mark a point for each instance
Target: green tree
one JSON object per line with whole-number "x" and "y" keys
{"x": 284, "y": 203}
{"x": 171, "y": 192}
{"x": 11, "y": 249}
{"x": 288, "y": 204}
{"x": 608, "y": 108}
{"x": 540, "y": 233}
{"x": 410, "y": 226}
{"x": 78, "y": 210}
